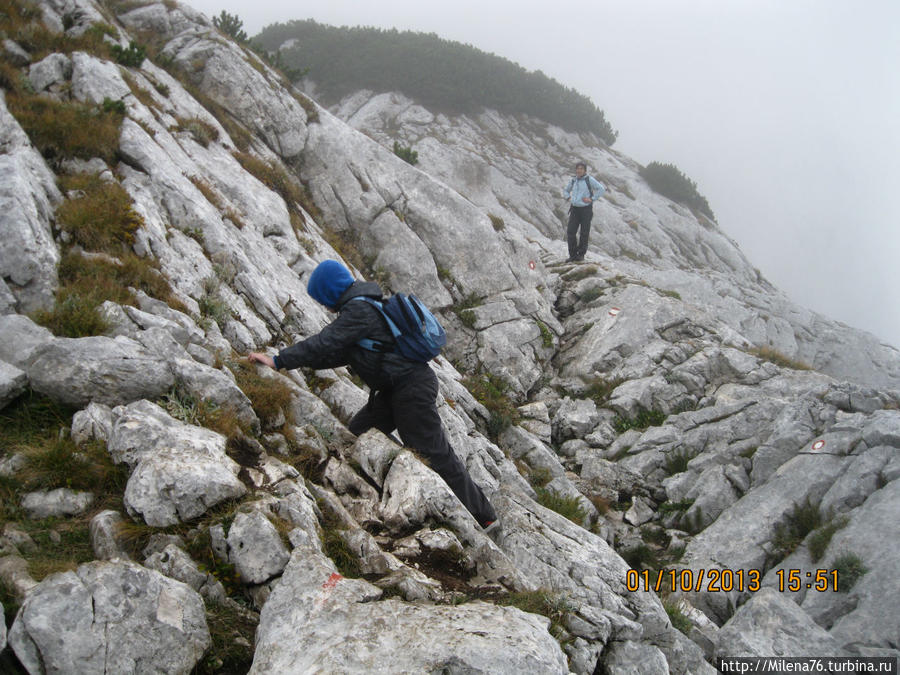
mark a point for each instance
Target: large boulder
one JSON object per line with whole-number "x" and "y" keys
{"x": 12, "y": 383}
{"x": 19, "y": 338}
{"x": 114, "y": 371}
{"x": 179, "y": 470}
{"x": 317, "y": 620}
{"x": 110, "y": 617}
{"x": 28, "y": 197}
{"x": 255, "y": 548}
{"x": 770, "y": 624}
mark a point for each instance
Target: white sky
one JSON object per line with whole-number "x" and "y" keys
{"x": 786, "y": 113}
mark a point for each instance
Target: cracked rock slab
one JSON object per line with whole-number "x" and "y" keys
{"x": 110, "y": 617}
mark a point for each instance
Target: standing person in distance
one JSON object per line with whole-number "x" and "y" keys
{"x": 403, "y": 391}
{"x": 581, "y": 192}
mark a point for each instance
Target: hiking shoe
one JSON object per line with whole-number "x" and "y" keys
{"x": 492, "y": 528}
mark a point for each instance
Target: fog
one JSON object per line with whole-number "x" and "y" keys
{"x": 786, "y": 113}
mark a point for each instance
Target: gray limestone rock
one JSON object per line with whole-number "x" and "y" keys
{"x": 56, "y": 503}
{"x": 93, "y": 423}
{"x": 28, "y": 198}
{"x": 179, "y": 470}
{"x": 111, "y": 371}
{"x": 12, "y": 383}
{"x": 574, "y": 419}
{"x": 255, "y": 548}
{"x": 315, "y": 619}
{"x": 866, "y": 619}
{"x": 106, "y": 536}
{"x": 634, "y": 658}
{"x": 176, "y": 564}
{"x": 15, "y": 54}
{"x": 15, "y": 577}
{"x": 19, "y": 338}
{"x": 53, "y": 69}
{"x": 770, "y": 624}
{"x": 110, "y": 617}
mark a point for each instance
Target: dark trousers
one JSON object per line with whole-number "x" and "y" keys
{"x": 410, "y": 408}
{"x": 579, "y": 217}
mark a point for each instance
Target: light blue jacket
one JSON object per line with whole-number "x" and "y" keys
{"x": 577, "y": 190}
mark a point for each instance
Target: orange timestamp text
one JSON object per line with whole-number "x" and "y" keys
{"x": 717, "y": 580}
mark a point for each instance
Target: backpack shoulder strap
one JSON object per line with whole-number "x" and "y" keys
{"x": 587, "y": 180}
{"x": 368, "y": 343}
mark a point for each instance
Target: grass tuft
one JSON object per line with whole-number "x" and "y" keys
{"x": 850, "y": 568}
{"x": 820, "y": 538}
{"x": 643, "y": 420}
{"x": 492, "y": 392}
{"x": 803, "y": 519}
{"x": 570, "y": 507}
{"x": 554, "y": 606}
{"x": 67, "y": 130}
{"x": 270, "y": 397}
{"x": 774, "y": 356}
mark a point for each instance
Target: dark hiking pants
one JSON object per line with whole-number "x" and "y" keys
{"x": 410, "y": 408}
{"x": 579, "y": 218}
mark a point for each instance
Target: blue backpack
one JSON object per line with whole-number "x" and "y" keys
{"x": 418, "y": 335}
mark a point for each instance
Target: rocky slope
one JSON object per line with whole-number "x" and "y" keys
{"x": 642, "y": 408}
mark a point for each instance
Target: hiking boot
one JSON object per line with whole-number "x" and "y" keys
{"x": 492, "y": 528}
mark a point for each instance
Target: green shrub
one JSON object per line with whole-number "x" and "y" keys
{"x": 820, "y": 538}
{"x": 570, "y": 507}
{"x": 468, "y": 318}
{"x": 640, "y": 556}
{"x": 492, "y": 392}
{"x": 599, "y": 389}
{"x": 341, "y": 555}
{"x": 668, "y": 181}
{"x": 34, "y": 426}
{"x": 202, "y": 413}
{"x": 850, "y": 568}
{"x": 803, "y": 519}
{"x": 130, "y": 57}
{"x": 677, "y": 617}
{"x": 677, "y": 461}
{"x": 86, "y": 283}
{"x": 212, "y": 306}
{"x": 406, "y": 153}
{"x": 496, "y": 221}
{"x": 591, "y": 294}
{"x": 643, "y": 420}
{"x": 73, "y": 315}
{"x": 546, "y": 335}
{"x": 441, "y": 75}
{"x": 231, "y": 25}
{"x": 655, "y": 535}
{"x": 111, "y": 106}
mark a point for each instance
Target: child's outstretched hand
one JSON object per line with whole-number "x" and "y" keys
{"x": 266, "y": 360}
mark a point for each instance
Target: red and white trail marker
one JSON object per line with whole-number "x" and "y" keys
{"x": 531, "y": 264}
{"x": 614, "y": 311}
{"x": 818, "y": 445}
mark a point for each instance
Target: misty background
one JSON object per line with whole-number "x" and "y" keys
{"x": 785, "y": 113}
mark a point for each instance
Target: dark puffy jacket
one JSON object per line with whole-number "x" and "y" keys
{"x": 336, "y": 344}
